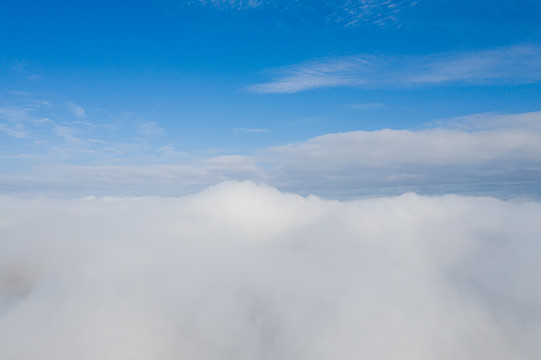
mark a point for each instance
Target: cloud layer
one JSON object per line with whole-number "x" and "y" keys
{"x": 485, "y": 154}
{"x": 498, "y": 153}
{"x": 245, "y": 272}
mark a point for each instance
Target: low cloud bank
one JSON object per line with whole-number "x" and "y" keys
{"x": 496, "y": 155}
{"x": 483, "y": 154}
{"x": 242, "y": 271}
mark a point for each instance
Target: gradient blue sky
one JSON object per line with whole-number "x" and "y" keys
{"x": 133, "y": 83}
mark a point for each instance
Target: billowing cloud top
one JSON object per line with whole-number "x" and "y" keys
{"x": 242, "y": 271}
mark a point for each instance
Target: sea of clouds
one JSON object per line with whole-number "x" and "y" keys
{"x": 244, "y": 271}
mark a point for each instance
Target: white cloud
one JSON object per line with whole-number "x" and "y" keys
{"x": 315, "y": 74}
{"x": 501, "y": 160}
{"x": 528, "y": 122}
{"x": 430, "y": 147}
{"x": 237, "y": 4}
{"x": 29, "y": 71}
{"x": 245, "y": 272}
{"x": 516, "y": 64}
{"x": 77, "y": 110}
{"x": 16, "y": 131}
{"x": 491, "y": 154}
{"x": 366, "y": 106}
{"x": 150, "y": 129}
{"x": 377, "y": 12}
{"x": 248, "y": 130}
{"x": 62, "y": 139}
{"x": 20, "y": 93}
{"x": 347, "y": 12}
{"x": 16, "y": 121}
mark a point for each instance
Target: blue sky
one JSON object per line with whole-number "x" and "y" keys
{"x": 97, "y": 85}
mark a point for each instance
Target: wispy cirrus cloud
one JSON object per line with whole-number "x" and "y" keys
{"x": 350, "y": 13}
{"x": 378, "y": 12}
{"x": 237, "y": 4}
{"x": 16, "y": 131}
{"x": 366, "y": 106}
{"x": 43, "y": 132}
{"x": 77, "y": 110}
{"x": 28, "y": 70}
{"x": 150, "y": 129}
{"x": 17, "y": 122}
{"x": 251, "y": 130}
{"x": 515, "y": 64}
{"x": 316, "y": 74}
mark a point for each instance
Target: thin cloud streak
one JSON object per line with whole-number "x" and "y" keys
{"x": 66, "y": 135}
{"x": 249, "y": 130}
{"x": 17, "y": 121}
{"x": 350, "y": 13}
{"x": 516, "y": 64}
{"x": 366, "y": 106}
{"x": 376, "y": 12}
{"x": 77, "y": 110}
{"x": 150, "y": 129}
{"x": 235, "y": 4}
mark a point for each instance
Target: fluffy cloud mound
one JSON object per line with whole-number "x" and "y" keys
{"x": 242, "y": 271}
